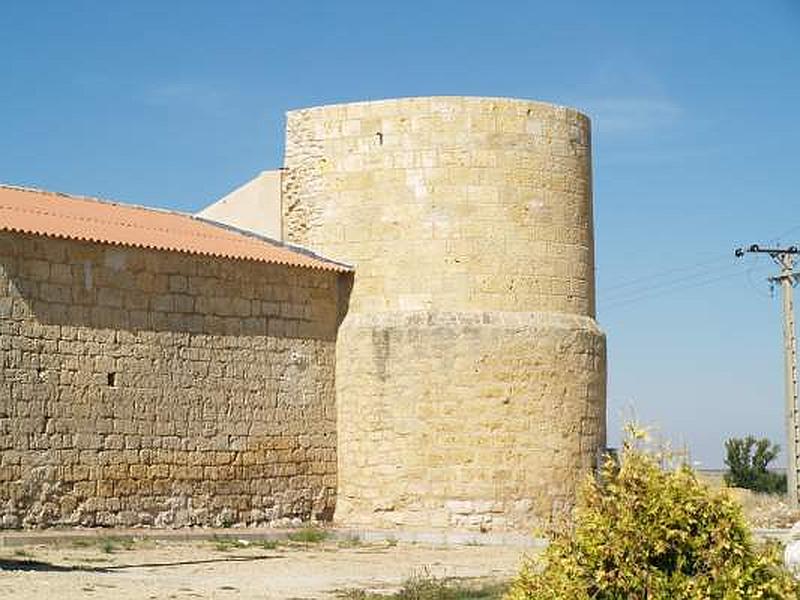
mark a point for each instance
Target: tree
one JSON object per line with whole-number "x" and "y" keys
{"x": 747, "y": 460}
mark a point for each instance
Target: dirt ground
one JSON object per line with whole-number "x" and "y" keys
{"x": 122, "y": 569}
{"x": 760, "y": 510}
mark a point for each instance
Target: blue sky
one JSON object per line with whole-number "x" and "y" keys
{"x": 696, "y": 129}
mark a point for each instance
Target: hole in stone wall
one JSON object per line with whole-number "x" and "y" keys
{"x": 41, "y": 375}
{"x": 379, "y": 135}
{"x": 87, "y": 274}
{"x": 112, "y": 379}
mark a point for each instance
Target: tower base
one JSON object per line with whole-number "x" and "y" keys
{"x": 466, "y": 420}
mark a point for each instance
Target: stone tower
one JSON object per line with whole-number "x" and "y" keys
{"x": 470, "y": 372}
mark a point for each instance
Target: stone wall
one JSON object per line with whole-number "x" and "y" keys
{"x": 470, "y": 372}
{"x": 474, "y": 420}
{"x": 149, "y": 387}
{"x": 447, "y": 203}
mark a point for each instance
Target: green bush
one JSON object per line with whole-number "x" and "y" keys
{"x": 643, "y": 531}
{"x": 308, "y": 535}
{"x": 747, "y": 460}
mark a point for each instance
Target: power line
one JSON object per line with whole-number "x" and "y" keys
{"x": 658, "y": 274}
{"x": 665, "y": 284}
{"x": 787, "y": 232}
{"x": 648, "y": 296}
{"x": 640, "y": 288}
{"x": 671, "y": 287}
{"x": 749, "y": 274}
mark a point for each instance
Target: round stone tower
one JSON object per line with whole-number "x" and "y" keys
{"x": 470, "y": 375}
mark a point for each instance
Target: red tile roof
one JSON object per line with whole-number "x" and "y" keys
{"x": 37, "y": 212}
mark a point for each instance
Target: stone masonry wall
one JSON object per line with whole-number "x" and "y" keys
{"x": 482, "y": 421}
{"x": 447, "y": 203}
{"x": 149, "y": 387}
{"x": 470, "y": 373}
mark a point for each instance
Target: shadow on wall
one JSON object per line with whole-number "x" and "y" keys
{"x": 70, "y": 283}
{"x": 141, "y": 387}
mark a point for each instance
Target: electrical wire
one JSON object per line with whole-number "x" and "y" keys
{"x": 642, "y": 288}
{"x": 647, "y": 287}
{"x": 749, "y": 273}
{"x": 648, "y": 296}
{"x": 788, "y": 231}
{"x": 663, "y": 283}
{"x": 633, "y": 282}
{"x": 672, "y": 286}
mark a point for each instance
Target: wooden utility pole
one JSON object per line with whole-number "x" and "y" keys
{"x": 787, "y": 278}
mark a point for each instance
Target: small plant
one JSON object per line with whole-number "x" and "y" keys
{"x": 748, "y": 460}
{"x": 112, "y": 544}
{"x": 308, "y": 535}
{"x": 22, "y": 553}
{"x": 267, "y": 544}
{"x": 643, "y": 531}
{"x": 128, "y": 543}
{"x": 424, "y": 586}
{"x": 351, "y": 541}
{"x": 224, "y": 544}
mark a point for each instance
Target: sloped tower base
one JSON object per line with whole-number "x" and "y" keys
{"x": 466, "y": 420}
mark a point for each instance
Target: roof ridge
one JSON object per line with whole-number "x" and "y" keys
{"x": 273, "y": 242}
{"x": 123, "y": 223}
{"x": 96, "y": 199}
{"x": 169, "y": 230}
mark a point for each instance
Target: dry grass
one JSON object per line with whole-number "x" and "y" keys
{"x": 765, "y": 510}
{"x": 424, "y": 586}
{"x": 761, "y": 510}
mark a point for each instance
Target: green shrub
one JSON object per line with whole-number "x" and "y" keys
{"x": 747, "y": 460}
{"x": 223, "y": 544}
{"x": 643, "y": 531}
{"x": 308, "y": 535}
{"x": 268, "y": 544}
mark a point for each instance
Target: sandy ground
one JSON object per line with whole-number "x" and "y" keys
{"x": 148, "y": 569}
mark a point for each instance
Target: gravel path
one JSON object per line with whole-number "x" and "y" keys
{"x": 152, "y": 569}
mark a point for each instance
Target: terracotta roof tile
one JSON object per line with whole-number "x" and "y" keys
{"x": 37, "y": 212}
